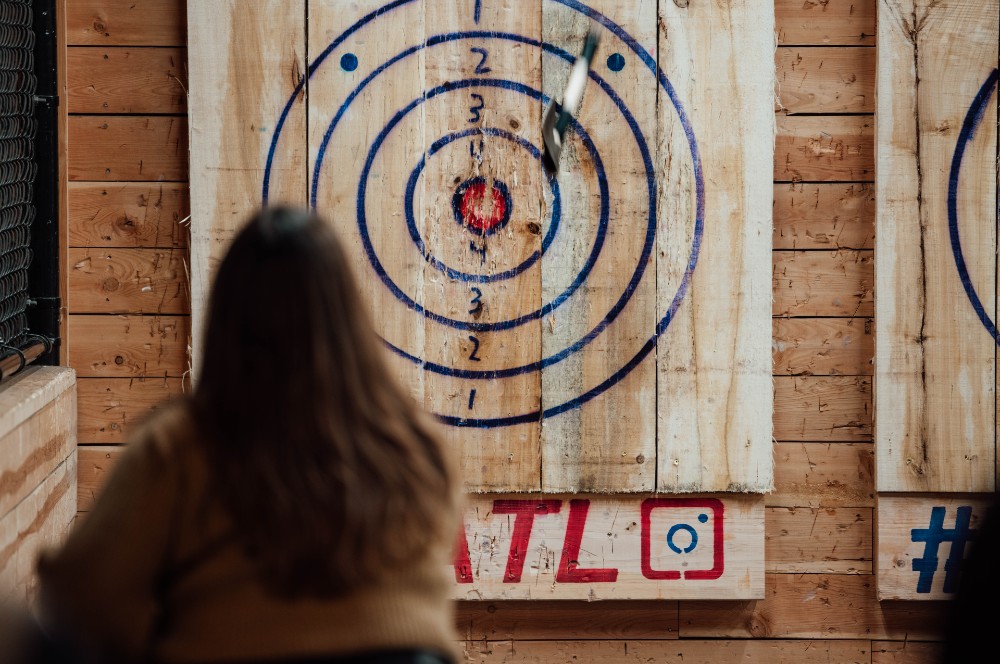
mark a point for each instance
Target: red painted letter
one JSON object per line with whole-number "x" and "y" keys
{"x": 462, "y": 563}
{"x": 569, "y": 564}
{"x": 524, "y": 519}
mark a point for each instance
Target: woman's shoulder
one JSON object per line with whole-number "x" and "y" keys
{"x": 166, "y": 432}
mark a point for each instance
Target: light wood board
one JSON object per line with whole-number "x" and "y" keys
{"x": 936, "y": 246}
{"x": 607, "y": 330}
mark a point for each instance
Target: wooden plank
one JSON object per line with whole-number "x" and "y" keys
{"x": 824, "y": 283}
{"x": 40, "y": 520}
{"x": 608, "y": 444}
{"x": 132, "y": 148}
{"x": 920, "y": 538}
{"x": 812, "y": 409}
{"x": 823, "y": 346}
{"x": 243, "y": 69}
{"x": 823, "y": 475}
{"x": 825, "y": 22}
{"x": 906, "y": 652}
{"x": 825, "y": 540}
{"x": 824, "y": 216}
{"x": 152, "y": 281}
{"x": 125, "y": 22}
{"x": 597, "y": 546}
{"x": 95, "y": 463}
{"x": 713, "y": 396}
{"x": 128, "y": 214}
{"x": 39, "y": 430}
{"x": 826, "y": 80}
{"x": 107, "y": 407}
{"x": 126, "y": 80}
{"x": 566, "y": 619}
{"x": 935, "y": 359}
{"x": 814, "y": 606}
{"x": 126, "y": 346}
{"x": 689, "y": 652}
{"x": 824, "y": 148}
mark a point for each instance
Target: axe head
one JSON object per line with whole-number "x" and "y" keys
{"x": 552, "y": 139}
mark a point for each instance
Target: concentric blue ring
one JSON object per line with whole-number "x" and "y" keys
{"x": 554, "y": 218}
{"x": 972, "y": 119}
{"x": 699, "y": 183}
{"x": 474, "y": 326}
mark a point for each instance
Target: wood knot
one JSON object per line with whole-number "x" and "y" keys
{"x": 534, "y": 228}
{"x": 683, "y": 4}
{"x": 110, "y": 284}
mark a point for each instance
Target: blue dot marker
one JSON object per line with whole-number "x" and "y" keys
{"x": 616, "y": 62}
{"x": 348, "y": 62}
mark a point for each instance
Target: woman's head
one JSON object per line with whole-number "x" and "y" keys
{"x": 314, "y": 444}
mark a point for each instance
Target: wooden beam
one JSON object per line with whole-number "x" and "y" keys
{"x": 134, "y": 148}
{"x": 824, "y": 283}
{"x": 811, "y": 409}
{"x": 906, "y": 652}
{"x": 824, "y": 148}
{"x": 847, "y": 607}
{"x": 128, "y": 346}
{"x": 109, "y": 406}
{"x": 824, "y": 216}
{"x": 823, "y": 475}
{"x": 826, "y": 80}
{"x": 823, "y": 346}
{"x": 823, "y": 540}
{"x": 825, "y": 22}
{"x": 126, "y": 80}
{"x": 95, "y": 462}
{"x": 129, "y": 214}
{"x": 126, "y": 23}
{"x": 151, "y": 281}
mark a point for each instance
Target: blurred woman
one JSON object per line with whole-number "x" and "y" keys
{"x": 296, "y": 507}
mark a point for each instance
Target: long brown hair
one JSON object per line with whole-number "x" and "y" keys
{"x": 328, "y": 469}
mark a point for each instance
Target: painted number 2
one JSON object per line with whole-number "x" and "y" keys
{"x": 477, "y": 107}
{"x": 481, "y": 68}
{"x": 475, "y": 350}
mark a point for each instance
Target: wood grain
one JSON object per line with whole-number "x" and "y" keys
{"x": 134, "y": 148}
{"x": 906, "y": 652}
{"x": 713, "y": 370}
{"x": 846, "y": 607}
{"x": 810, "y": 148}
{"x": 834, "y": 283}
{"x": 823, "y": 346}
{"x": 95, "y": 463}
{"x": 822, "y": 409}
{"x": 603, "y": 445}
{"x": 126, "y": 80}
{"x": 823, "y": 475}
{"x": 935, "y": 360}
{"x": 826, "y": 80}
{"x": 151, "y": 281}
{"x": 688, "y": 651}
{"x": 109, "y": 406}
{"x": 125, "y": 346}
{"x": 824, "y": 540}
{"x": 566, "y": 619}
{"x": 125, "y": 22}
{"x": 128, "y": 214}
{"x": 824, "y": 216}
{"x": 825, "y": 22}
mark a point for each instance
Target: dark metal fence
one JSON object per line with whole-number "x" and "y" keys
{"x": 28, "y": 171}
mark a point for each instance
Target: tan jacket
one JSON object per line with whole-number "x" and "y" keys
{"x": 154, "y": 573}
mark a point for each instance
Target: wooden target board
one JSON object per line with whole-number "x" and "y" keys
{"x": 935, "y": 385}
{"x": 604, "y": 330}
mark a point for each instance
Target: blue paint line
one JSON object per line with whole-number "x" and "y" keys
{"x": 548, "y": 307}
{"x": 973, "y": 118}
{"x": 554, "y": 219}
{"x": 696, "y": 164}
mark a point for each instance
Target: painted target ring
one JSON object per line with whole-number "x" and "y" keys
{"x": 973, "y": 118}
{"x": 482, "y": 210}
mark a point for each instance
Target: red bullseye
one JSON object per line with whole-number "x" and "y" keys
{"x": 482, "y": 206}
{"x": 479, "y": 214}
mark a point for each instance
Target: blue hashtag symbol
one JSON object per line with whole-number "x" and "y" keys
{"x": 934, "y": 535}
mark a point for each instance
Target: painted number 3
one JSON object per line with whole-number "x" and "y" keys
{"x": 476, "y": 107}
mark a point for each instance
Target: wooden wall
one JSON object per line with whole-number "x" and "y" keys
{"x": 128, "y": 332}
